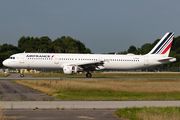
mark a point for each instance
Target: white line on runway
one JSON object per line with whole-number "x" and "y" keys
{"x": 84, "y": 104}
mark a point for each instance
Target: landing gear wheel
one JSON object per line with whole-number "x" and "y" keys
{"x": 21, "y": 75}
{"x": 88, "y": 75}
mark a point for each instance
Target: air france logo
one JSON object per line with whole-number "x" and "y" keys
{"x": 52, "y": 56}
{"x": 47, "y": 56}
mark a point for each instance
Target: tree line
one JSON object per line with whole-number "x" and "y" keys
{"x": 66, "y": 44}
{"x": 46, "y": 45}
{"x": 43, "y": 45}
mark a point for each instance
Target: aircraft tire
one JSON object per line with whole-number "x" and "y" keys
{"x": 21, "y": 75}
{"x": 88, "y": 75}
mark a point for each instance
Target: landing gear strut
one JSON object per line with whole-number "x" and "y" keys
{"x": 22, "y": 74}
{"x": 88, "y": 75}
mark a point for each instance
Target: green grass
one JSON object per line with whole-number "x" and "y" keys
{"x": 116, "y": 96}
{"x": 149, "y": 113}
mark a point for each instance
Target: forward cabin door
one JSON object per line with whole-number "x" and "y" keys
{"x": 56, "y": 59}
{"x": 146, "y": 61}
{"x": 21, "y": 59}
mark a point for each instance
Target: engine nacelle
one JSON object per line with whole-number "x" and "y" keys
{"x": 70, "y": 70}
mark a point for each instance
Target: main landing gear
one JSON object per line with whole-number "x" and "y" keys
{"x": 88, "y": 75}
{"x": 21, "y": 75}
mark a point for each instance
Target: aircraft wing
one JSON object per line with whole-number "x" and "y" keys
{"x": 89, "y": 66}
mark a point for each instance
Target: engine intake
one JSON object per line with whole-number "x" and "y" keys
{"x": 70, "y": 70}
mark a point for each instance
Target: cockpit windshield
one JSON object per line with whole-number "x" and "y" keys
{"x": 11, "y": 57}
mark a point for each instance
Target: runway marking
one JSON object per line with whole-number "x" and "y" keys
{"x": 85, "y": 117}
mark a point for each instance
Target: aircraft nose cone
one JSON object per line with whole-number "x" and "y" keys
{"x": 4, "y": 63}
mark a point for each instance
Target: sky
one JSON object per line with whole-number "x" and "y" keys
{"x": 102, "y": 25}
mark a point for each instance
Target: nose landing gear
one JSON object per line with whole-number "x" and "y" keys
{"x": 21, "y": 75}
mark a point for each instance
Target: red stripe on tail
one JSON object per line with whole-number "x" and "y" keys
{"x": 167, "y": 48}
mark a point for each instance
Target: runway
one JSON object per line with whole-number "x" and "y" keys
{"x": 65, "y": 78}
{"x": 17, "y": 77}
{"x": 26, "y": 114}
{"x": 10, "y": 91}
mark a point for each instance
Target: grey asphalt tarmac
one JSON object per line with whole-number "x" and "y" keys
{"x": 17, "y": 77}
{"x": 12, "y": 91}
{"x": 65, "y": 78}
{"x": 81, "y": 114}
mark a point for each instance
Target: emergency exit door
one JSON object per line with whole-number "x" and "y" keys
{"x": 21, "y": 59}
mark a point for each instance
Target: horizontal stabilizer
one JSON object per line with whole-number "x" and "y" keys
{"x": 167, "y": 58}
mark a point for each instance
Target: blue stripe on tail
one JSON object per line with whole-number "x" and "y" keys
{"x": 154, "y": 52}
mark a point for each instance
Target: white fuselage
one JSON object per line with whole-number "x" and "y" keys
{"x": 58, "y": 61}
{"x": 74, "y": 63}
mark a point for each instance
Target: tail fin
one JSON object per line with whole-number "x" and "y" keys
{"x": 163, "y": 46}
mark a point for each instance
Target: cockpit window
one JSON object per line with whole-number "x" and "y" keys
{"x": 12, "y": 58}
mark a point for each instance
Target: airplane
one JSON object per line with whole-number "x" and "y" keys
{"x": 74, "y": 63}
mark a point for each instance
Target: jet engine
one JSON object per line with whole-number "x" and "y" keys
{"x": 70, "y": 70}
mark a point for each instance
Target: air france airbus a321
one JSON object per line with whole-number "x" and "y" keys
{"x": 74, "y": 63}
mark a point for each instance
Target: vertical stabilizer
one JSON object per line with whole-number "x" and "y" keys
{"x": 163, "y": 46}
